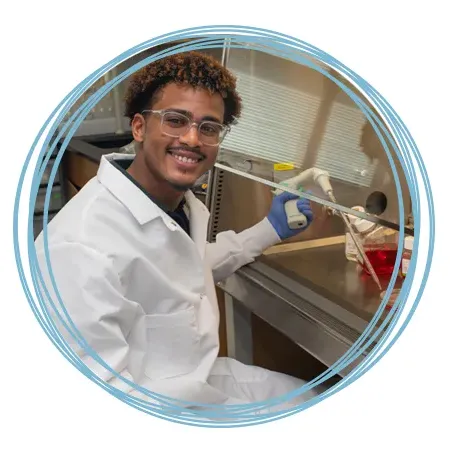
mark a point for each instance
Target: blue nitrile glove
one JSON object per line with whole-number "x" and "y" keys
{"x": 277, "y": 215}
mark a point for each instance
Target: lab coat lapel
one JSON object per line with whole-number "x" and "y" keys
{"x": 198, "y": 219}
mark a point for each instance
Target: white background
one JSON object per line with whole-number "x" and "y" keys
{"x": 398, "y": 47}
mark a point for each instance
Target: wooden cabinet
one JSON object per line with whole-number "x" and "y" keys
{"x": 78, "y": 170}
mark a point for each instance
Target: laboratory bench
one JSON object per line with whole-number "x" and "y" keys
{"x": 302, "y": 291}
{"x": 315, "y": 297}
{"x": 297, "y": 309}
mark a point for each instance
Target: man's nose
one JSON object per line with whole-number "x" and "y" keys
{"x": 190, "y": 138}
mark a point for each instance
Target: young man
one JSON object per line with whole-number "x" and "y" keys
{"x": 129, "y": 251}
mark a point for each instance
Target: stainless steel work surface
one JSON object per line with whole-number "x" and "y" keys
{"x": 326, "y": 271}
{"x": 315, "y": 297}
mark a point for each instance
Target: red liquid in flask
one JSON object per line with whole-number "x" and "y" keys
{"x": 382, "y": 259}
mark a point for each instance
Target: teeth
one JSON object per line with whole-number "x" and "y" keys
{"x": 185, "y": 159}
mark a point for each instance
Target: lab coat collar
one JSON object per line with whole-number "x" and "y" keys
{"x": 141, "y": 206}
{"x": 133, "y": 198}
{"x": 198, "y": 218}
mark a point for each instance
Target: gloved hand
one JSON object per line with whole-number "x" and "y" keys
{"x": 277, "y": 215}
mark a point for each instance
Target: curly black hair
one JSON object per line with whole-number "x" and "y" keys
{"x": 193, "y": 69}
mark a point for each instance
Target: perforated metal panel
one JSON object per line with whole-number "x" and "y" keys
{"x": 215, "y": 203}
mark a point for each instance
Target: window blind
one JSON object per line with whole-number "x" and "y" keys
{"x": 339, "y": 152}
{"x": 277, "y": 122}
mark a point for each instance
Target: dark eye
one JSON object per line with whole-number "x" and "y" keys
{"x": 175, "y": 120}
{"x": 210, "y": 128}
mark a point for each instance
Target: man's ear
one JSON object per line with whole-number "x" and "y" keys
{"x": 138, "y": 127}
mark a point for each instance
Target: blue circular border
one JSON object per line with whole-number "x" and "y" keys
{"x": 278, "y": 45}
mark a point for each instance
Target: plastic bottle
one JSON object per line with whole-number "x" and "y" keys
{"x": 351, "y": 252}
{"x": 380, "y": 244}
{"x": 406, "y": 256}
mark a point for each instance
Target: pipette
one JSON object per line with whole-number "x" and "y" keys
{"x": 357, "y": 242}
{"x": 297, "y": 220}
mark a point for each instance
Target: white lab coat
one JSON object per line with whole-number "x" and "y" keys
{"x": 142, "y": 292}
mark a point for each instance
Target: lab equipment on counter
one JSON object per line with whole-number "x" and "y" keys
{"x": 382, "y": 255}
{"x": 406, "y": 257}
{"x": 380, "y": 245}
{"x": 351, "y": 251}
{"x": 356, "y": 240}
{"x": 297, "y": 220}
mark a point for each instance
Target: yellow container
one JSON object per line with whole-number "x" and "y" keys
{"x": 283, "y": 171}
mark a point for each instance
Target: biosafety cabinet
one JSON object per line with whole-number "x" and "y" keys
{"x": 306, "y": 288}
{"x": 301, "y": 306}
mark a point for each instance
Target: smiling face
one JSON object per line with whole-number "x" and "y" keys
{"x": 177, "y": 162}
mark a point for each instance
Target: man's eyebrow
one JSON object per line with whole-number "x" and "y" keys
{"x": 189, "y": 114}
{"x": 212, "y": 119}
